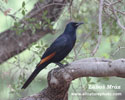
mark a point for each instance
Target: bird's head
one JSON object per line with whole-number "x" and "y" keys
{"x": 74, "y": 24}
{"x": 71, "y": 27}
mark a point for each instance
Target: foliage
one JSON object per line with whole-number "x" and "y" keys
{"x": 87, "y": 36}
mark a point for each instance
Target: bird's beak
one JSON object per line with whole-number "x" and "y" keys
{"x": 79, "y": 23}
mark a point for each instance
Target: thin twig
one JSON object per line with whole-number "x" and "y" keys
{"x": 70, "y": 9}
{"x": 114, "y": 11}
{"x": 12, "y": 16}
{"x": 113, "y": 3}
{"x": 100, "y": 27}
{"x": 117, "y": 19}
{"x": 41, "y": 8}
{"x": 118, "y": 50}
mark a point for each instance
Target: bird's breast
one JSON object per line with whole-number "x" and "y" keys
{"x": 64, "y": 51}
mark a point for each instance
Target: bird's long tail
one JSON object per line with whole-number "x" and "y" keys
{"x": 33, "y": 75}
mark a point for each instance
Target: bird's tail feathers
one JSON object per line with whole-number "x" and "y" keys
{"x": 33, "y": 75}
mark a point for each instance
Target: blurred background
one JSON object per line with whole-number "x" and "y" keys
{"x": 15, "y": 71}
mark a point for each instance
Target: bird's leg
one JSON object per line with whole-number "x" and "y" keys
{"x": 61, "y": 65}
{"x": 67, "y": 64}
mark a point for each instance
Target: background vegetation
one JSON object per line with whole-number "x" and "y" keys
{"x": 16, "y": 70}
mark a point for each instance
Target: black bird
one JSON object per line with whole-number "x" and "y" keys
{"x": 57, "y": 51}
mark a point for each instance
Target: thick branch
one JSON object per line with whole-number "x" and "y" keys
{"x": 12, "y": 44}
{"x": 59, "y": 79}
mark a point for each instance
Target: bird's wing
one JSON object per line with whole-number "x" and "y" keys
{"x": 55, "y": 48}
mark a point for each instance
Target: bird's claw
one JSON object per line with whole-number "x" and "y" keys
{"x": 61, "y": 65}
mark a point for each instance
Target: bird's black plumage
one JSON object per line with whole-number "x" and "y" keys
{"x": 57, "y": 51}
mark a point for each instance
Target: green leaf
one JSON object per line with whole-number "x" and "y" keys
{"x": 37, "y": 26}
{"x": 33, "y": 30}
{"x": 41, "y": 1}
{"x": 68, "y": 57}
{"x": 38, "y": 46}
{"x": 23, "y": 4}
{"x": 88, "y": 79}
{"x": 92, "y": 83}
{"x": 106, "y": 78}
{"x": 99, "y": 80}
{"x": 41, "y": 42}
{"x": 17, "y": 24}
{"x": 23, "y": 12}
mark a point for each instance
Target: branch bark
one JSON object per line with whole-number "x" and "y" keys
{"x": 59, "y": 79}
{"x": 12, "y": 44}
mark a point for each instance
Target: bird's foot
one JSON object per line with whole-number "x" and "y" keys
{"x": 61, "y": 65}
{"x": 66, "y": 65}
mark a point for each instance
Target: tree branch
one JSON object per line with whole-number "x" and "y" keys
{"x": 100, "y": 27}
{"x": 110, "y": 6}
{"x": 59, "y": 79}
{"x": 12, "y": 44}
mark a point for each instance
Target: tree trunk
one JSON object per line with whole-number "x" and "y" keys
{"x": 11, "y": 43}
